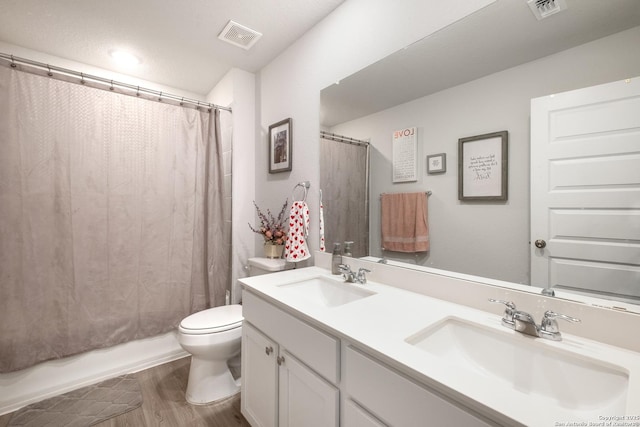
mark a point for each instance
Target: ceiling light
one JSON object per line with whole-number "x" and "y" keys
{"x": 125, "y": 58}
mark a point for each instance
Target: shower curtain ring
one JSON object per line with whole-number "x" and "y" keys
{"x": 49, "y": 73}
{"x": 111, "y": 87}
{"x": 13, "y": 63}
{"x": 82, "y": 78}
{"x": 138, "y": 91}
{"x": 160, "y": 97}
{"x": 182, "y": 101}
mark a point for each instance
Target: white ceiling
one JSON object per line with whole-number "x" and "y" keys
{"x": 177, "y": 40}
{"x": 500, "y": 36}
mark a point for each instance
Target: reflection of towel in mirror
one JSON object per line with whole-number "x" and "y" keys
{"x": 404, "y": 222}
{"x": 321, "y": 219}
{"x": 296, "y": 248}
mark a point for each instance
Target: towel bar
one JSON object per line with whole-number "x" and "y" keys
{"x": 428, "y": 193}
{"x": 305, "y": 186}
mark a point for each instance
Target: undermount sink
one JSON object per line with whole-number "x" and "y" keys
{"x": 524, "y": 364}
{"x": 327, "y": 292}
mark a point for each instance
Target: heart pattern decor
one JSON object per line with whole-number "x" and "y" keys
{"x": 296, "y": 249}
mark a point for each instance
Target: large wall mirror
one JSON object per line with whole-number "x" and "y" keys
{"x": 474, "y": 77}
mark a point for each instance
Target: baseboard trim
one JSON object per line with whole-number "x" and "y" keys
{"x": 55, "y": 377}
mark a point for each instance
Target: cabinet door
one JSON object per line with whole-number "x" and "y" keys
{"x": 259, "y": 378}
{"x": 356, "y": 416}
{"x": 305, "y": 398}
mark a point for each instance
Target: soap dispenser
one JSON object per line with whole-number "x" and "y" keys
{"x": 347, "y": 249}
{"x": 336, "y": 259}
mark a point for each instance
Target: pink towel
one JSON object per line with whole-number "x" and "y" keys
{"x": 404, "y": 222}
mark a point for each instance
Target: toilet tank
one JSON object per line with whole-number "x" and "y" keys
{"x": 258, "y": 266}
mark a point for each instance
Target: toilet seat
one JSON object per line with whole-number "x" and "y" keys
{"x": 213, "y": 320}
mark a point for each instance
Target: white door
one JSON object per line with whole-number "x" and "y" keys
{"x": 305, "y": 398}
{"x": 259, "y": 378}
{"x": 585, "y": 190}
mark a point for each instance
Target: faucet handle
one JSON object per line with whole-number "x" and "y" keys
{"x": 507, "y": 319}
{"x": 361, "y": 276}
{"x": 549, "y": 323}
{"x": 347, "y": 274}
{"x": 549, "y": 326}
{"x": 344, "y": 268}
{"x": 510, "y": 304}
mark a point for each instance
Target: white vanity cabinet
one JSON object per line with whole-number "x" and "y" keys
{"x": 305, "y": 399}
{"x": 356, "y": 416}
{"x": 295, "y": 374}
{"x": 259, "y": 378}
{"x": 289, "y": 369}
{"x": 386, "y": 397}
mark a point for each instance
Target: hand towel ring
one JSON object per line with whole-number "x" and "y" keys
{"x": 305, "y": 185}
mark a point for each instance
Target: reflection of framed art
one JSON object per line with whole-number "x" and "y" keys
{"x": 280, "y": 143}
{"x": 437, "y": 163}
{"x": 482, "y": 167}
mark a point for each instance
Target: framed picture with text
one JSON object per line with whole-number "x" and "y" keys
{"x": 280, "y": 144}
{"x": 483, "y": 167}
{"x": 437, "y": 163}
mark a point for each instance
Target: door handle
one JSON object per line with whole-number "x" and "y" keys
{"x": 540, "y": 243}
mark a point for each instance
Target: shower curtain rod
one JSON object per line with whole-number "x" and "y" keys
{"x": 342, "y": 138}
{"x": 14, "y": 60}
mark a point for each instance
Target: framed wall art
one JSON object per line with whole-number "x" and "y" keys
{"x": 280, "y": 145}
{"x": 437, "y": 163}
{"x": 405, "y": 154}
{"x": 483, "y": 167}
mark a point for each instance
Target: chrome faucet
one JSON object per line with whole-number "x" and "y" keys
{"x": 523, "y": 322}
{"x": 353, "y": 277}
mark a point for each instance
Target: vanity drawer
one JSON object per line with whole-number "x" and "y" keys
{"x": 315, "y": 348}
{"x": 397, "y": 400}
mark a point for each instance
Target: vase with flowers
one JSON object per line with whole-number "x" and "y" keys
{"x": 272, "y": 230}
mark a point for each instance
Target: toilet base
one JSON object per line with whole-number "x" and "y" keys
{"x": 210, "y": 381}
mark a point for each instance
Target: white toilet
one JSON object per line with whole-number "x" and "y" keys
{"x": 213, "y": 337}
{"x": 259, "y": 266}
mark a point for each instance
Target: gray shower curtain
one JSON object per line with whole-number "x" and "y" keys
{"x": 112, "y": 220}
{"x": 344, "y": 183}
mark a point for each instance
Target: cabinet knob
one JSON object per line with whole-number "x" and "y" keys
{"x": 280, "y": 360}
{"x": 268, "y": 350}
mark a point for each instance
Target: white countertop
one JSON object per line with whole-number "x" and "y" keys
{"x": 380, "y": 324}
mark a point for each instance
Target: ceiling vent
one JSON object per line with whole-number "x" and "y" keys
{"x": 545, "y": 8}
{"x": 239, "y": 35}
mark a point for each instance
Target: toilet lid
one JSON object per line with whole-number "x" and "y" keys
{"x": 216, "y": 319}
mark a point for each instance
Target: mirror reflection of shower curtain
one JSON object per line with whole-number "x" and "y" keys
{"x": 344, "y": 180}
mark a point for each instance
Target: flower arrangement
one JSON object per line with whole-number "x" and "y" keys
{"x": 272, "y": 229}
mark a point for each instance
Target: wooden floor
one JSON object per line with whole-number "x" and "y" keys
{"x": 163, "y": 403}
